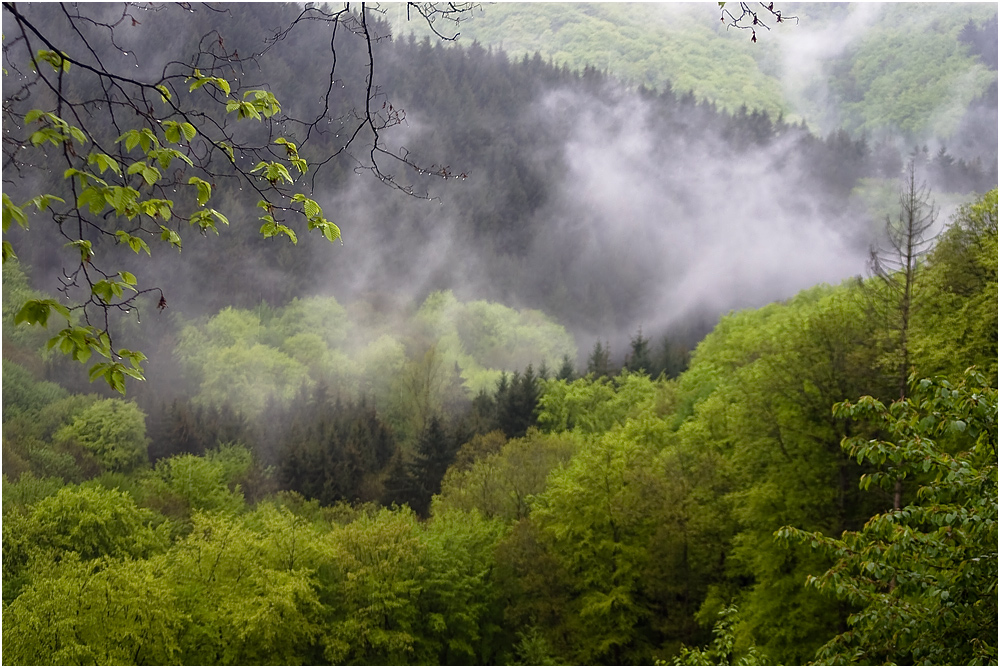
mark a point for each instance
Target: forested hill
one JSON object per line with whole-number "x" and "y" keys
{"x": 780, "y": 448}
{"x": 910, "y": 68}
{"x": 606, "y": 207}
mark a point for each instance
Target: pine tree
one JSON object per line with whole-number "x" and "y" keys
{"x": 435, "y": 453}
{"x": 516, "y": 403}
{"x": 599, "y": 362}
{"x": 566, "y": 371}
{"x": 639, "y": 360}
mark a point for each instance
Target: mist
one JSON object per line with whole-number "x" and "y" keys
{"x": 661, "y": 228}
{"x": 631, "y": 212}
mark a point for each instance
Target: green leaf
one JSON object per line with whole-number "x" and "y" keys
{"x": 114, "y": 374}
{"x": 311, "y": 208}
{"x": 93, "y": 197}
{"x": 46, "y": 134}
{"x": 58, "y": 61}
{"x": 203, "y": 219}
{"x": 123, "y": 200}
{"x": 172, "y": 132}
{"x": 329, "y": 230}
{"x": 79, "y": 342}
{"x": 85, "y": 248}
{"x": 162, "y": 208}
{"x": 200, "y": 81}
{"x": 145, "y": 139}
{"x": 222, "y": 219}
{"x": 104, "y": 162}
{"x": 106, "y": 290}
{"x": 77, "y": 134}
{"x": 37, "y": 311}
{"x": 8, "y": 251}
{"x": 13, "y": 213}
{"x": 42, "y": 202}
{"x": 274, "y": 172}
{"x": 150, "y": 175}
{"x": 204, "y": 189}
{"x": 164, "y": 93}
{"x": 135, "y": 243}
{"x": 171, "y": 237}
{"x": 165, "y": 156}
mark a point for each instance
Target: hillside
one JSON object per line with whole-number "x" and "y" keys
{"x": 321, "y": 347}
{"x": 871, "y": 67}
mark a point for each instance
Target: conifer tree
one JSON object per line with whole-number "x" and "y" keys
{"x": 599, "y": 362}
{"x": 435, "y": 453}
{"x": 566, "y": 371}
{"x": 639, "y": 359}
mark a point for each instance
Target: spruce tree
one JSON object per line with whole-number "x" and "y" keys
{"x": 640, "y": 360}
{"x": 599, "y": 362}
{"x": 435, "y": 453}
{"x": 566, "y": 371}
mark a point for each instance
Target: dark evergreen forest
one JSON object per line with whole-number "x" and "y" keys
{"x": 601, "y": 374}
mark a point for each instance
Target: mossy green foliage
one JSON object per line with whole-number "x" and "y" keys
{"x": 615, "y": 534}
{"x": 247, "y": 357}
{"x": 907, "y": 72}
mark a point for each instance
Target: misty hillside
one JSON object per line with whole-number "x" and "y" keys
{"x": 898, "y": 68}
{"x": 596, "y": 203}
{"x": 600, "y": 335}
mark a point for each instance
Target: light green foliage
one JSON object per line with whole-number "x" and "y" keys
{"x": 650, "y": 44}
{"x": 88, "y": 522}
{"x": 460, "y": 601}
{"x": 290, "y": 540}
{"x": 92, "y": 522}
{"x": 424, "y": 388}
{"x": 956, "y": 325}
{"x": 910, "y": 72}
{"x": 502, "y": 484}
{"x": 35, "y": 414}
{"x": 247, "y": 357}
{"x": 923, "y": 578}
{"x": 382, "y": 360}
{"x": 722, "y": 651}
{"x": 485, "y": 338}
{"x": 113, "y": 430}
{"x": 595, "y": 406}
{"x": 17, "y": 291}
{"x": 243, "y": 606}
{"x": 322, "y": 316}
{"x": 378, "y": 564}
{"x": 24, "y": 395}
{"x": 207, "y": 483}
{"x": 27, "y": 490}
{"x": 101, "y": 612}
{"x": 598, "y": 514}
{"x": 231, "y": 327}
{"x": 246, "y": 376}
{"x": 774, "y": 374}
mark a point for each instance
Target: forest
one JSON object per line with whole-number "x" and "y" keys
{"x": 598, "y": 369}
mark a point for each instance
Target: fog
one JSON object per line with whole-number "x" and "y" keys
{"x": 666, "y": 229}
{"x": 640, "y": 224}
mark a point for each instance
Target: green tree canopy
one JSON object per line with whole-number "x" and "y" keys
{"x": 923, "y": 578}
{"x": 114, "y": 431}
